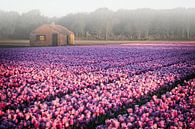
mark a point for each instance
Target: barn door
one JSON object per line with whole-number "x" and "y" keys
{"x": 66, "y": 39}
{"x": 54, "y": 39}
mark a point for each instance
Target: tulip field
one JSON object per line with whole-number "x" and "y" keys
{"x": 102, "y": 87}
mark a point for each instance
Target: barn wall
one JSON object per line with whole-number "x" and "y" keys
{"x": 34, "y": 42}
{"x": 64, "y": 36}
{"x": 62, "y": 40}
{"x": 71, "y": 39}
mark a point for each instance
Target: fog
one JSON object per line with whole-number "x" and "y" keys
{"x": 105, "y": 24}
{"x": 63, "y": 7}
{"x": 101, "y": 19}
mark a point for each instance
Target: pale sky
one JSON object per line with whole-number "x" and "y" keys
{"x": 64, "y": 7}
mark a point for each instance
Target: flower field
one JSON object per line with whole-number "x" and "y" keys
{"x": 111, "y": 86}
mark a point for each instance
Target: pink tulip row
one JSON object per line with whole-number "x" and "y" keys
{"x": 98, "y": 81}
{"x": 26, "y": 84}
{"x": 174, "y": 110}
{"x": 43, "y": 83}
{"x": 39, "y": 91}
{"x": 83, "y": 106}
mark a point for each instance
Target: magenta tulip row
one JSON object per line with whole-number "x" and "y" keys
{"x": 72, "y": 87}
{"x": 174, "y": 110}
{"x": 27, "y": 85}
{"x": 82, "y": 106}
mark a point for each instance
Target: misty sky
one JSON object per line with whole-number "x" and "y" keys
{"x": 63, "y": 7}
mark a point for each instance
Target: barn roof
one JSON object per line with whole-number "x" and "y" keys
{"x": 51, "y": 28}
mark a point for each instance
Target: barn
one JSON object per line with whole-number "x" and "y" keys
{"x": 51, "y": 35}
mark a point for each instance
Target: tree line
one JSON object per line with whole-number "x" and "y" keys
{"x": 105, "y": 24}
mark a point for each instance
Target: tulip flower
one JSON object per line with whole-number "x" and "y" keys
{"x": 65, "y": 87}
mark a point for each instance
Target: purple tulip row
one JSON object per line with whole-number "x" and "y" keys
{"x": 83, "y": 106}
{"x": 88, "y": 58}
{"x": 73, "y": 86}
{"x": 26, "y": 85}
{"x": 174, "y": 110}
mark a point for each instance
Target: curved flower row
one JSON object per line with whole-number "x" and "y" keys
{"x": 39, "y": 79}
{"x": 83, "y": 106}
{"x": 173, "y": 110}
{"x": 94, "y": 58}
{"x": 26, "y": 85}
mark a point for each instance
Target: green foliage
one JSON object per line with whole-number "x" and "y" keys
{"x": 16, "y": 26}
{"x": 104, "y": 24}
{"x": 140, "y": 24}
